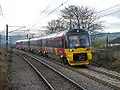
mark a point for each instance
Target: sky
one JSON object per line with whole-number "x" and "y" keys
{"x": 28, "y": 12}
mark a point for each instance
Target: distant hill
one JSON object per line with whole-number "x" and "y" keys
{"x": 17, "y": 37}
{"x": 111, "y": 36}
{"x": 115, "y": 41}
{"x": 99, "y": 37}
{"x": 12, "y": 39}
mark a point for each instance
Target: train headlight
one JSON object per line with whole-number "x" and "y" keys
{"x": 61, "y": 56}
{"x": 71, "y": 50}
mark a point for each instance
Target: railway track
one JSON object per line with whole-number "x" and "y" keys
{"x": 101, "y": 78}
{"x": 23, "y": 77}
{"x": 54, "y": 79}
{"x": 86, "y": 72}
{"x": 104, "y": 71}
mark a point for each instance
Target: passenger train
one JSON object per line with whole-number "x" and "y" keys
{"x": 71, "y": 46}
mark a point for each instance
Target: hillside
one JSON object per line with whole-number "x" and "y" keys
{"x": 12, "y": 39}
{"x": 98, "y": 37}
{"x": 17, "y": 37}
{"x": 111, "y": 36}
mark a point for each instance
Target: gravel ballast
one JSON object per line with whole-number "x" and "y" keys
{"x": 23, "y": 77}
{"x": 85, "y": 82}
{"x": 82, "y": 80}
{"x": 56, "y": 80}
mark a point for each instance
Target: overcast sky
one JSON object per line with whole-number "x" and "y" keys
{"x": 27, "y": 12}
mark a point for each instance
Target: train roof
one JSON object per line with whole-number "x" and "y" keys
{"x": 24, "y": 40}
{"x": 34, "y": 39}
{"x": 58, "y": 34}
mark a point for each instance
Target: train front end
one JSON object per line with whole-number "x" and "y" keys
{"x": 78, "y": 50}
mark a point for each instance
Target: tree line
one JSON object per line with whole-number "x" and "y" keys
{"x": 76, "y": 17}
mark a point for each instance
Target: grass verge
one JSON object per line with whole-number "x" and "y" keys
{"x": 108, "y": 59}
{"x": 4, "y": 69}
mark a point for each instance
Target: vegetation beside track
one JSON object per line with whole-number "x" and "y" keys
{"x": 109, "y": 59}
{"x": 5, "y": 59}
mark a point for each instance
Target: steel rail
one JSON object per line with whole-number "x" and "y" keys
{"x": 108, "y": 73}
{"x": 92, "y": 77}
{"x": 87, "y": 75}
{"x": 77, "y": 85}
{"x": 51, "y": 87}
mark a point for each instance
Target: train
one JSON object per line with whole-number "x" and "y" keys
{"x": 72, "y": 46}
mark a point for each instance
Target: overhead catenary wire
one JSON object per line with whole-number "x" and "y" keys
{"x": 17, "y": 26}
{"x": 115, "y": 6}
{"x": 17, "y": 29}
{"x": 66, "y": 2}
{"x": 22, "y": 28}
{"x": 57, "y": 7}
{"x": 111, "y": 13}
{"x": 40, "y": 15}
{"x": 1, "y": 11}
{"x": 31, "y": 27}
{"x": 108, "y": 12}
{"x": 45, "y": 10}
{"x": 96, "y": 12}
{"x": 35, "y": 24}
{"x": 28, "y": 25}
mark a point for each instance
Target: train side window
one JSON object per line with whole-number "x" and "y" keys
{"x": 39, "y": 43}
{"x": 43, "y": 42}
{"x": 50, "y": 42}
{"x": 55, "y": 43}
{"x": 47, "y": 42}
{"x": 59, "y": 43}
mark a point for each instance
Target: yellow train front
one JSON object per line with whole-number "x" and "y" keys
{"x": 77, "y": 47}
{"x": 78, "y": 56}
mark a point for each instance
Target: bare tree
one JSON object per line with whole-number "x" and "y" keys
{"x": 50, "y": 27}
{"x": 82, "y": 17}
{"x": 56, "y": 25}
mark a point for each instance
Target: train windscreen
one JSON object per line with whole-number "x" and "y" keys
{"x": 78, "y": 40}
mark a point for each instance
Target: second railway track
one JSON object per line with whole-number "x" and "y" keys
{"x": 110, "y": 73}
{"x": 55, "y": 79}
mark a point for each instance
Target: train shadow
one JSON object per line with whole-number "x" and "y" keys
{"x": 79, "y": 66}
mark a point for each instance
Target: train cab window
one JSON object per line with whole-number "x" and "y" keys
{"x": 84, "y": 40}
{"x": 59, "y": 43}
{"x": 74, "y": 41}
{"x": 78, "y": 40}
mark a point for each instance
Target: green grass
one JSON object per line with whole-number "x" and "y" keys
{"x": 107, "y": 59}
